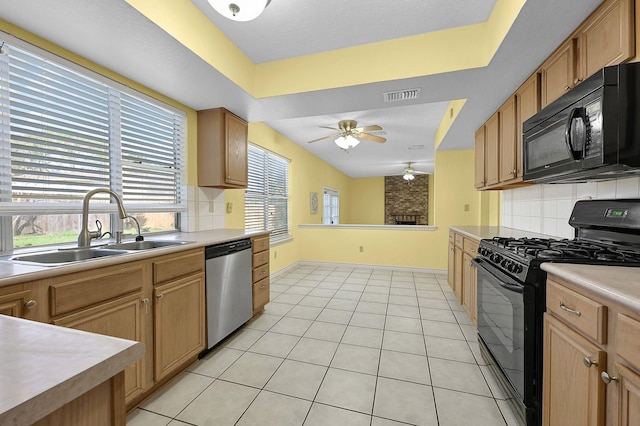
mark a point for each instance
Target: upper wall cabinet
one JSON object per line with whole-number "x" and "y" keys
{"x": 605, "y": 38}
{"x": 222, "y": 149}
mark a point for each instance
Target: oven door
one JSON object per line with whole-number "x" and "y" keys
{"x": 501, "y": 322}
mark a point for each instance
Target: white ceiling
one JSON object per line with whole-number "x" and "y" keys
{"x": 117, "y": 36}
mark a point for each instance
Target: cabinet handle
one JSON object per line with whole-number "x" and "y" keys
{"x": 564, "y": 308}
{"x": 262, "y": 286}
{"x": 567, "y": 88}
{"x": 145, "y": 302}
{"x": 588, "y": 363}
{"x": 263, "y": 272}
{"x": 607, "y": 378}
{"x": 31, "y": 304}
{"x": 577, "y": 80}
{"x": 159, "y": 295}
{"x": 470, "y": 264}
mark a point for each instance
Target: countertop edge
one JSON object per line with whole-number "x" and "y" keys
{"x": 484, "y": 232}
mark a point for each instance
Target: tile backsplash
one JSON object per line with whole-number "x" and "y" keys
{"x": 200, "y": 203}
{"x": 546, "y": 208}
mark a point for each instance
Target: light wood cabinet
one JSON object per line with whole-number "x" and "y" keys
{"x": 462, "y": 274}
{"x": 607, "y": 36}
{"x": 16, "y": 301}
{"x": 507, "y": 141}
{"x": 591, "y": 365}
{"x": 222, "y": 149}
{"x": 559, "y": 72}
{"x": 492, "y": 149}
{"x": 527, "y": 104}
{"x": 573, "y": 392}
{"x": 260, "y": 274}
{"x": 179, "y": 311}
{"x": 480, "y": 155}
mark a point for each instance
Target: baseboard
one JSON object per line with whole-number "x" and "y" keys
{"x": 357, "y": 265}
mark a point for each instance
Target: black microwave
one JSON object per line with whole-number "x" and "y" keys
{"x": 592, "y": 132}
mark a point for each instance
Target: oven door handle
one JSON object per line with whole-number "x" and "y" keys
{"x": 502, "y": 278}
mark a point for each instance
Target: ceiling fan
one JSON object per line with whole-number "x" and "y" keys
{"x": 410, "y": 172}
{"x": 347, "y": 134}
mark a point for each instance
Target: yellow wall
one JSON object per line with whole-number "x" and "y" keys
{"x": 366, "y": 201}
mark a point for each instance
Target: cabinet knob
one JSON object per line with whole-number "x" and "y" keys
{"x": 607, "y": 378}
{"x": 588, "y": 363}
{"x": 572, "y": 311}
{"x": 31, "y": 304}
{"x": 159, "y": 295}
{"x": 567, "y": 88}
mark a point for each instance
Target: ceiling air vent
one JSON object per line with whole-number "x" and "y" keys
{"x": 402, "y": 95}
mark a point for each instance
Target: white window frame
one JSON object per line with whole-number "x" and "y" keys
{"x": 330, "y": 206}
{"x": 267, "y": 194}
{"x": 117, "y": 162}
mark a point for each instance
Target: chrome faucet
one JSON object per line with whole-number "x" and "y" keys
{"x": 85, "y": 236}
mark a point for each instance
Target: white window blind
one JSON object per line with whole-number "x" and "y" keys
{"x": 267, "y": 194}
{"x": 70, "y": 131}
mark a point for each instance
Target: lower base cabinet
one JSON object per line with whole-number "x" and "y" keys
{"x": 179, "y": 319}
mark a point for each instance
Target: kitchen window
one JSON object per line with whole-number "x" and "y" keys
{"x": 330, "y": 206}
{"x": 65, "y": 130}
{"x": 266, "y": 201}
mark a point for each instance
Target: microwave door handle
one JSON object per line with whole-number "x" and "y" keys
{"x": 580, "y": 113}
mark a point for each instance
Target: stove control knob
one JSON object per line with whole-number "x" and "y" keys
{"x": 496, "y": 258}
{"x": 517, "y": 268}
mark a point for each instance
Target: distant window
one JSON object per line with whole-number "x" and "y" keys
{"x": 331, "y": 206}
{"x": 65, "y": 130}
{"x": 267, "y": 195}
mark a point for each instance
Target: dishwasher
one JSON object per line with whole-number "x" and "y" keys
{"x": 229, "y": 289}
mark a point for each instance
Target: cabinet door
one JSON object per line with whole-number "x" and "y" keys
{"x": 179, "y": 333}
{"x": 16, "y": 302}
{"x": 480, "y": 158}
{"x": 573, "y": 393}
{"x": 451, "y": 272}
{"x": 236, "y": 150}
{"x": 507, "y": 139}
{"x": 527, "y": 104}
{"x": 457, "y": 276}
{"x": 469, "y": 287}
{"x": 492, "y": 149}
{"x": 123, "y": 318}
{"x": 628, "y": 396}
{"x": 558, "y": 73}
{"x": 607, "y": 36}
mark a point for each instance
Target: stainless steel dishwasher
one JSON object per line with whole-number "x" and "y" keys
{"x": 228, "y": 289}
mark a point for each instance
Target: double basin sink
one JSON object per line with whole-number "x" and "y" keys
{"x": 65, "y": 256}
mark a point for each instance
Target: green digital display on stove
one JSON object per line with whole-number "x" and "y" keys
{"x": 616, "y": 212}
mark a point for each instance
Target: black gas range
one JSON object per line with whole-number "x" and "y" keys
{"x": 511, "y": 291}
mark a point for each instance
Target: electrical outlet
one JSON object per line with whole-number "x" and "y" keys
{"x": 466, "y": 207}
{"x": 275, "y": 254}
{"x": 229, "y": 207}
{"x": 361, "y": 249}
{"x": 210, "y": 206}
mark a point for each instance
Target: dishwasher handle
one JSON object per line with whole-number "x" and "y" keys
{"x": 226, "y": 248}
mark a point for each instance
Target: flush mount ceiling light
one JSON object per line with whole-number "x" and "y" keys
{"x": 240, "y": 10}
{"x": 347, "y": 142}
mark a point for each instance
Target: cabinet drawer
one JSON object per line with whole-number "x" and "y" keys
{"x": 260, "y": 244}
{"x": 260, "y": 258}
{"x": 261, "y": 293}
{"x": 178, "y": 265}
{"x": 471, "y": 246}
{"x": 627, "y": 341}
{"x": 260, "y": 272}
{"x": 76, "y": 291}
{"x": 459, "y": 240}
{"x": 586, "y": 315}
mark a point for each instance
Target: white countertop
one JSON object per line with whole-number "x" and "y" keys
{"x": 482, "y": 232}
{"x": 14, "y": 273}
{"x": 43, "y": 366}
{"x": 620, "y": 284}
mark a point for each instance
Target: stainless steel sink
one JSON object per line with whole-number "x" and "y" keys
{"x": 58, "y": 257}
{"x": 144, "y": 245}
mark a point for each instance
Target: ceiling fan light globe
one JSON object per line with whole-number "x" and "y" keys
{"x": 347, "y": 142}
{"x": 239, "y": 10}
{"x": 408, "y": 176}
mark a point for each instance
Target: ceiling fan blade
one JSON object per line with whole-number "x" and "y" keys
{"x": 330, "y": 128}
{"x": 371, "y": 137}
{"x": 368, "y": 128}
{"x": 334, "y": 135}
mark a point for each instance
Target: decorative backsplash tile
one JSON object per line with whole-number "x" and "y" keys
{"x": 199, "y": 216}
{"x": 546, "y": 208}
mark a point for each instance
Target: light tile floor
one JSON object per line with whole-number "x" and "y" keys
{"x": 342, "y": 345}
